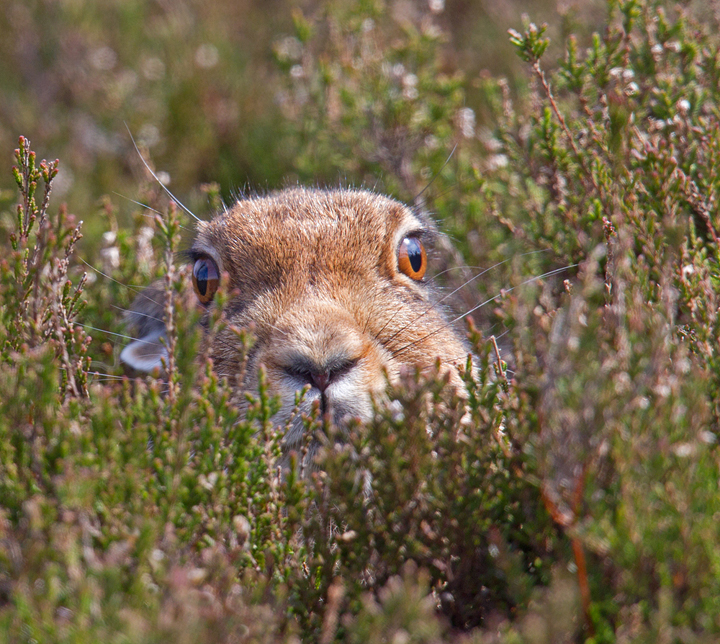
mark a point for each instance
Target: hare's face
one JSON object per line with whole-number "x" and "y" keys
{"x": 332, "y": 284}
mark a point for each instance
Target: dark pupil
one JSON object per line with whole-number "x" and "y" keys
{"x": 201, "y": 277}
{"x": 414, "y": 254}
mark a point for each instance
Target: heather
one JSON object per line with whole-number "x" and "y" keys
{"x": 571, "y": 495}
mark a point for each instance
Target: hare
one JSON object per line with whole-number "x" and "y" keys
{"x": 333, "y": 284}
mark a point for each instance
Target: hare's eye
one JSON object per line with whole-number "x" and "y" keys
{"x": 412, "y": 259}
{"x": 206, "y": 279}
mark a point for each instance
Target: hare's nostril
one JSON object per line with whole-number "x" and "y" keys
{"x": 321, "y": 376}
{"x": 321, "y": 380}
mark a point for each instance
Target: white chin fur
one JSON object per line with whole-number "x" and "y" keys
{"x": 345, "y": 403}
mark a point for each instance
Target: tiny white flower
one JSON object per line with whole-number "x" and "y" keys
{"x": 103, "y": 58}
{"x": 466, "y": 122}
{"x": 410, "y": 93}
{"x": 683, "y": 450}
{"x": 431, "y": 142}
{"x": 149, "y": 135}
{"x": 110, "y": 258}
{"x": 410, "y": 80}
{"x": 153, "y": 68}
{"x": 207, "y": 56}
{"x": 663, "y": 390}
{"x": 497, "y": 161}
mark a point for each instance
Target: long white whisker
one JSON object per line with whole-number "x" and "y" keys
{"x": 104, "y": 377}
{"x": 133, "y": 288}
{"x": 479, "y": 306}
{"x": 120, "y": 335}
{"x": 441, "y": 300}
{"x": 509, "y": 290}
{"x": 144, "y": 205}
{"x": 160, "y": 183}
{"x": 437, "y": 174}
{"x": 138, "y": 313}
{"x": 456, "y": 268}
{"x": 480, "y": 268}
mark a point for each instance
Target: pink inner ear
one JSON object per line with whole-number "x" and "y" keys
{"x": 146, "y": 353}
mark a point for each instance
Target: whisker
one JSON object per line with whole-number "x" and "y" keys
{"x": 479, "y": 306}
{"x": 437, "y": 174}
{"x": 447, "y": 191}
{"x": 140, "y": 290}
{"x": 509, "y": 290}
{"x": 376, "y": 336}
{"x": 456, "y": 268}
{"x": 160, "y": 183}
{"x": 133, "y": 287}
{"x": 120, "y": 335}
{"x": 370, "y": 315}
{"x": 462, "y": 268}
{"x": 463, "y": 285}
{"x": 103, "y": 377}
{"x": 138, "y": 203}
{"x": 144, "y": 205}
{"x": 138, "y": 313}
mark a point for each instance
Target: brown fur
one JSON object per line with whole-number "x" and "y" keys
{"x": 316, "y": 274}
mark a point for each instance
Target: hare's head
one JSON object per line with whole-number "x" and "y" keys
{"x": 332, "y": 283}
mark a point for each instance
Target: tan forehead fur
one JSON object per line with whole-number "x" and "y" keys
{"x": 273, "y": 238}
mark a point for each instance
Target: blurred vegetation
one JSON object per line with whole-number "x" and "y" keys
{"x": 573, "y": 495}
{"x": 196, "y": 84}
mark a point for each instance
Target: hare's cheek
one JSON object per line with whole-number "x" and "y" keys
{"x": 351, "y": 397}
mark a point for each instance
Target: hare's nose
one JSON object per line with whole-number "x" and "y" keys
{"x": 321, "y": 380}
{"x": 321, "y": 376}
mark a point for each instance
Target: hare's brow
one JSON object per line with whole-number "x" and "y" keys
{"x": 427, "y": 228}
{"x": 423, "y": 234}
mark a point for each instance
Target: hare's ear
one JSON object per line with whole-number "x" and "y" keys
{"x": 147, "y": 352}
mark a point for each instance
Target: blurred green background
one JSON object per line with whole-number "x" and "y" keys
{"x": 198, "y": 85}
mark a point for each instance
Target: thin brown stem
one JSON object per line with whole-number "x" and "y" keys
{"x": 558, "y": 114}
